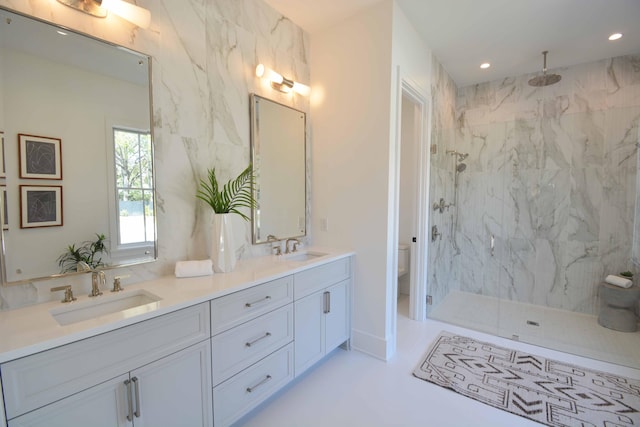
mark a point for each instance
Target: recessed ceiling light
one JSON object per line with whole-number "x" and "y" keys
{"x": 62, "y": 33}
{"x": 485, "y": 65}
{"x": 615, "y": 36}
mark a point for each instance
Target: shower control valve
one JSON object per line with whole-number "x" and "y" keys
{"x": 435, "y": 233}
{"x": 441, "y": 206}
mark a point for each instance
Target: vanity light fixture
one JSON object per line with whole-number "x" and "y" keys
{"x": 135, "y": 14}
{"x": 281, "y": 83}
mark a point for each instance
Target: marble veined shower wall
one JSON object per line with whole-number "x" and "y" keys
{"x": 441, "y": 259}
{"x": 551, "y": 174}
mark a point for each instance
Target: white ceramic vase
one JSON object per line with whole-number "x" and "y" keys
{"x": 223, "y": 247}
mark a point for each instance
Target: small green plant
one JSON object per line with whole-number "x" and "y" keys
{"x": 235, "y": 194}
{"x": 627, "y": 274}
{"x": 87, "y": 252}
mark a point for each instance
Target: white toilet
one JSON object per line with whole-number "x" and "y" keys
{"x": 403, "y": 259}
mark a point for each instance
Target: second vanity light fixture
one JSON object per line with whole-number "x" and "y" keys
{"x": 281, "y": 83}
{"x": 135, "y": 14}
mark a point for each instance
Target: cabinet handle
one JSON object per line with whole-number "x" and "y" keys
{"x": 253, "y": 387}
{"x": 250, "y": 343}
{"x": 134, "y": 380}
{"x": 326, "y": 302}
{"x": 251, "y": 304}
{"x": 127, "y": 384}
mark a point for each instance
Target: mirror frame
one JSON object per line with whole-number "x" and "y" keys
{"x": 3, "y": 241}
{"x": 254, "y": 142}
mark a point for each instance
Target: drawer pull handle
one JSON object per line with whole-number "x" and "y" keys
{"x": 252, "y": 388}
{"x": 134, "y": 380}
{"x": 250, "y": 343}
{"x": 251, "y": 304}
{"x": 127, "y": 384}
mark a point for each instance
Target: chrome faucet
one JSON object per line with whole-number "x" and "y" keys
{"x": 97, "y": 278}
{"x": 296, "y": 242}
{"x": 275, "y": 244}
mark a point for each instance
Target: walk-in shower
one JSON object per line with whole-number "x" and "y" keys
{"x": 459, "y": 168}
{"x": 543, "y": 207}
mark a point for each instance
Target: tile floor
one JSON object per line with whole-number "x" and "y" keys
{"x": 350, "y": 388}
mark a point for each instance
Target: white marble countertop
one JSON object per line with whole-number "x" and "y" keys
{"x": 33, "y": 329}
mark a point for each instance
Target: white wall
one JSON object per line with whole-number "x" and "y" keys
{"x": 354, "y": 71}
{"x": 350, "y": 109}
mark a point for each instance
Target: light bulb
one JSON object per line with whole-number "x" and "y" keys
{"x": 302, "y": 89}
{"x": 132, "y": 13}
{"x": 269, "y": 74}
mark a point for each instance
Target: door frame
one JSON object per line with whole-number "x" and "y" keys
{"x": 419, "y": 250}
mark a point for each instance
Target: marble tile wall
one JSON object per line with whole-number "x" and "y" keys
{"x": 204, "y": 56}
{"x": 552, "y": 175}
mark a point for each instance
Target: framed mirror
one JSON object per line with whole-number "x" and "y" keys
{"x": 77, "y": 171}
{"x": 278, "y": 154}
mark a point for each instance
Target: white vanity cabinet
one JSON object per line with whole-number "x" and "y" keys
{"x": 321, "y": 311}
{"x": 252, "y": 350}
{"x": 153, "y": 373}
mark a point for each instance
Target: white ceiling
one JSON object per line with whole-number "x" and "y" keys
{"x": 510, "y": 34}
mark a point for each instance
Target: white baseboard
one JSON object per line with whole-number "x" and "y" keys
{"x": 370, "y": 344}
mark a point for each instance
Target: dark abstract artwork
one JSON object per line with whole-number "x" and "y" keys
{"x": 41, "y": 206}
{"x": 40, "y": 157}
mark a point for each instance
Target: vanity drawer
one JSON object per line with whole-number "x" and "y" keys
{"x": 240, "y": 307}
{"x": 34, "y": 381}
{"x": 317, "y": 278}
{"x": 238, "y": 395}
{"x": 238, "y": 348}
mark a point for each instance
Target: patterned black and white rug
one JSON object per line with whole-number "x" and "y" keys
{"x": 544, "y": 390}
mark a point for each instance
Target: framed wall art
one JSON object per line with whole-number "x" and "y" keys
{"x": 40, "y": 206}
{"x": 40, "y": 157}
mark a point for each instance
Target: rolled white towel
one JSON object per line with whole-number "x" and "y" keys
{"x": 194, "y": 268}
{"x": 618, "y": 281}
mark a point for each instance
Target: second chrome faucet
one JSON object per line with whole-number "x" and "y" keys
{"x": 98, "y": 278}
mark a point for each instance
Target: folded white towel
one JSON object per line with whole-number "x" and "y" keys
{"x": 618, "y": 281}
{"x": 194, "y": 268}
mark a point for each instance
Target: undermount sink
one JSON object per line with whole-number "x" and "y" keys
{"x": 130, "y": 303}
{"x": 303, "y": 256}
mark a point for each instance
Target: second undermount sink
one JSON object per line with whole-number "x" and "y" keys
{"x": 130, "y": 303}
{"x": 303, "y": 256}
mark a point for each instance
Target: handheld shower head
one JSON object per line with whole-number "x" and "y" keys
{"x": 461, "y": 167}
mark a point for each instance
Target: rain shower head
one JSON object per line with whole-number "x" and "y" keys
{"x": 545, "y": 79}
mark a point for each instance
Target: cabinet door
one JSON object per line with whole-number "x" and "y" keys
{"x": 336, "y": 319}
{"x": 308, "y": 331}
{"x": 104, "y": 405}
{"x": 175, "y": 390}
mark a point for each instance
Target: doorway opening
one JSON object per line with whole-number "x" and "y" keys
{"x": 412, "y": 198}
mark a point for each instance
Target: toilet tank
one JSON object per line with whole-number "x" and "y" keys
{"x": 403, "y": 259}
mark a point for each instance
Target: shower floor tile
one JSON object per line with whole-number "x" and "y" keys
{"x": 561, "y": 330}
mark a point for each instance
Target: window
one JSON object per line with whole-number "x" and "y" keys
{"x": 134, "y": 187}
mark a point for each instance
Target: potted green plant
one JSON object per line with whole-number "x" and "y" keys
{"x": 87, "y": 252}
{"x": 224, "y": 200}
